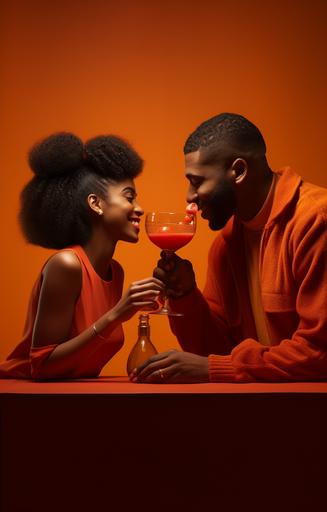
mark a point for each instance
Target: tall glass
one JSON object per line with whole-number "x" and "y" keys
{"x": 170, "y": 231}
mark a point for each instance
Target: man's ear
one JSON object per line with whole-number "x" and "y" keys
{"x": 94, "y": 203}
{"x": 239, "y": 169}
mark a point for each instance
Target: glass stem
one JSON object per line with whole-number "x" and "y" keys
{"x": 165, "y": 307}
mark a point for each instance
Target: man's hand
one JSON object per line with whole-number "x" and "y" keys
{"x": 176, "y": 273}
{"x": 172, "y": 366}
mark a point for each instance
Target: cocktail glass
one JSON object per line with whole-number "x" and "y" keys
{"x": 169, "y": 231}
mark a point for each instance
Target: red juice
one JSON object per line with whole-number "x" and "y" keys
{"x": 170, "y": 241}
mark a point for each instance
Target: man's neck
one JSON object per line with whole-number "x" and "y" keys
{"x": 255, "y": 193}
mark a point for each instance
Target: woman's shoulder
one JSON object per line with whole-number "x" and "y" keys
{"x": 63, "y": 269}
{"x": 66, "y": 260}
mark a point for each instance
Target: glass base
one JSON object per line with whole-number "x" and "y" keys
{"x": 166, "y": 311}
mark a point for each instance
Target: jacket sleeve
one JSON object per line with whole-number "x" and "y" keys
{"x": 203, "y": 328}
{"x": 302, "y": 357}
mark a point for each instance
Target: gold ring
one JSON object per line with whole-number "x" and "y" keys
{"x": 161, "y": 373}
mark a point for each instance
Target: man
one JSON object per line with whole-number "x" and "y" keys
{"x": 263, "y": 313}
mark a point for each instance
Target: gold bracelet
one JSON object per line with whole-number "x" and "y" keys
{"x": 97, "y": 334}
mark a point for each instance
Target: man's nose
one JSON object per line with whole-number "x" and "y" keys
{"x": 191, "y": 196}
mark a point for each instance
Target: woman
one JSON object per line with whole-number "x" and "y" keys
{"x": 82, "y": 200}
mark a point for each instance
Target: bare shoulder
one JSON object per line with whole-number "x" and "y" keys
{"x": 60, "y": 289}
{"x": 64, "y": 270}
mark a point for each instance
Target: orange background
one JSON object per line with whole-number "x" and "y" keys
{"x": 151, "y": 72}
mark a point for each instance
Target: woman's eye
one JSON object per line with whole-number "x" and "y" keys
{"x": 130, "y": 199}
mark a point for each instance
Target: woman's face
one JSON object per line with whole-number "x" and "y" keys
{"x": 121, "y": 212}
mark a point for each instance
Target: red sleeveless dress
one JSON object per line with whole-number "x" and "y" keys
{"x": 96, "y": 298}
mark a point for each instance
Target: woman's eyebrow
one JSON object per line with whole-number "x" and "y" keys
{"x": 129, "y": 189}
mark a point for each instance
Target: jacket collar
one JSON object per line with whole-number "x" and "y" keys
{"x": 285, "y": 191}
{"x": 286, "y": 188}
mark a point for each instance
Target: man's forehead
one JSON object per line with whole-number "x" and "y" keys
{"x": 192, "y": 159}
{"x": 206, "y": 155}
{"x": 199, "y": 163}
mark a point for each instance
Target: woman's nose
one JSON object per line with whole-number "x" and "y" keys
{"x": 138, "y": 210}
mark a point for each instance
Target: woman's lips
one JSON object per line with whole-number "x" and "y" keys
{"x": 136, "y": 224}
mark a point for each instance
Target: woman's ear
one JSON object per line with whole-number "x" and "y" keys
{"x": 239, "y": 169}
{"x": 94, "y": 203}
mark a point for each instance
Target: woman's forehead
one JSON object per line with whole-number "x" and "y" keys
{"x": 121, "y": 186}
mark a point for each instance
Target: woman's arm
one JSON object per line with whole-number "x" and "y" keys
{"x": 60, "y": 289}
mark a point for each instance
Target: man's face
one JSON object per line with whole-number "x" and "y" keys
{"x": 211, "y": 188}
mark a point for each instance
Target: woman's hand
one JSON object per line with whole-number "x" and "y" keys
{"x": 172, "y": 366}
{"x": 140, "y": 294}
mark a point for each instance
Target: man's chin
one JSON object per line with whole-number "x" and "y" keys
{"x": 216, "y": 225}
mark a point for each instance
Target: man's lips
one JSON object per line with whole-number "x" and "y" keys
{"x": 204, "y": 212}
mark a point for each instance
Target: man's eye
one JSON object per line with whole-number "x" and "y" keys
{"x": 196, "y": 182}
{"x": 130, "y": 198}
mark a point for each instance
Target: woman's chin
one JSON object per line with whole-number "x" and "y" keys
{"x": 132, "y": 239}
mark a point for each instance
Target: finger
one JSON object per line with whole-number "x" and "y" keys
{"x": 149, "y": 371}
{"x": 152, "y": 360}
{"x": 136, "y": 288}
{"x": 150, "y": 374}
{"x": 156, "y": 377}
{"x": 162, "y": 375}
{"x": 169, "y": 256}
{"x": 148, "y": 280}
{"x": 141, "y": 304}
{"x": 158, "y": 360}
{"x": 167, "y": 266}
{"x": 156, "y": 304}
{"x": 169, "y": 260}
{"x": 150, "y": 366}
{"x": 159, "y": 274}
{"x": 143, "y": 296}
{"x": 172, "y": 279}
{"x": 177, "y": 291}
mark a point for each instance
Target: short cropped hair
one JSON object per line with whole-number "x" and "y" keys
{"x": 54, "y": 212}
{"x": 232, "y": 130}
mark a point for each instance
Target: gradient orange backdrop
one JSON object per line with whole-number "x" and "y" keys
{"x": 151, "y": 72}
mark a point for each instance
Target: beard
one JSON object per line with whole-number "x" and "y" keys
{"x": 221, "y": 206}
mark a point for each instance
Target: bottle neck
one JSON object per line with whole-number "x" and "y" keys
{"x": 144, "y": 330}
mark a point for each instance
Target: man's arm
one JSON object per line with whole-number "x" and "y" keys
{"x": 203, "y": 327}
{"x": 302, "y": 357}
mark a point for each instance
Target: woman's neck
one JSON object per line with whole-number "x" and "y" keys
{"x": 100, "y": 252}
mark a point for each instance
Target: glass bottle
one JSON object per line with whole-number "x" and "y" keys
{"x": 143, "y": 348}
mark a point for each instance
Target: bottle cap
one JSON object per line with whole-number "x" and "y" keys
{"x": 143, "y": 317}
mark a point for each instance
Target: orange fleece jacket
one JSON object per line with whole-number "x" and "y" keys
{"x": 293, "y": 273}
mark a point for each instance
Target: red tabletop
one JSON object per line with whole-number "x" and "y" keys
{"x": 121, "y": 385}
